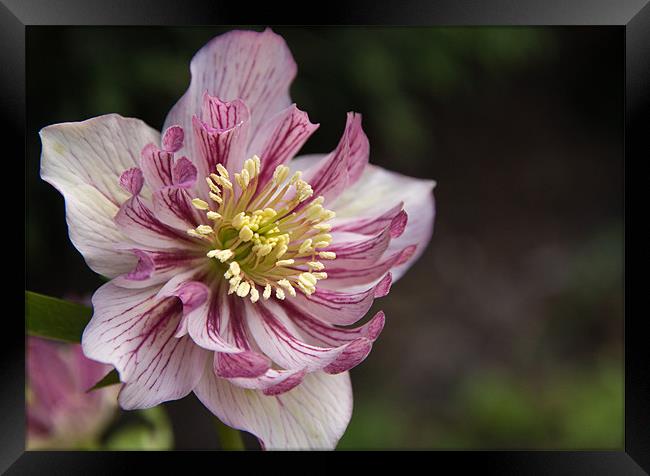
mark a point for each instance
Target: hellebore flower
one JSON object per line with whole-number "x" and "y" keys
{"x": 60, "y": 414}
{"x": 236, "y": 268}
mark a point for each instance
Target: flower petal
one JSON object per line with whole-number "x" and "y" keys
{"x": 279, "y": 139}
{"x": 313, "y": 415}
{"x": 342, "y": 307}
{"x": 254, "y": 67}
{"x": 166, "y": 264}
{"x": 84, "y": 161}
{"x": 137, "y": 221}
{"x": 278, "y": 338}
{"x": 133, "y": 331}
{"x": 379, "y": 189}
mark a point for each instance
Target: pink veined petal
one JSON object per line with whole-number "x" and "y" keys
{"x": 342, "y": 307}
{"x": 221, "y": 135}
{"x": 84, "y": 161}
{"x": 329, "y": 176}
{"x": 320, "y": 332}
{"x": 184, "y": 173}
{"x": 376, "y": 192}
{"x": 279, "y": 139}
{"x": 353, "y": 147}
{"x": 272, "y": 382}
{"x": 137, "y": 221}
{"x": 132, "y": 181}
{"x": 217, "y": 146}
{"x": 219, "y": 324}
{"x": 156, "y": 167}
{"x": 166, "y": 264}
{"x": 359, "y": 147}
{"x": 277, "y": 336}
{"x": 314, "y": 415}
{"x": 355, "y": 251}
{"x": 346, "y": 278}
{"x": 254, "y": 67}
{"x": 173, "y": 207}
{"x": 134, "y": 331}
{"x": 395, "y": 217}
{"x": 173, "y": 138}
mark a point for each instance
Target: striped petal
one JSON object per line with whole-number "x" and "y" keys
{"x": 314, "y": 415}
{"x": 254, "y": 67}
{"x": 376, "y": 193}
{"x": 84, "y": 161}
{"x": 134, "y": 331}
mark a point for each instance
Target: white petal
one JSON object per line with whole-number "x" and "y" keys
{"x": 314, "y": 415}
{"x": 377, "y": 191}
{"x": 133, "y": 331}
{"x": 84, "y": 161}
{"x": 254, "y": 67}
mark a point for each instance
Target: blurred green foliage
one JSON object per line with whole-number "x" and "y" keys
{"x": 149, "y": 430}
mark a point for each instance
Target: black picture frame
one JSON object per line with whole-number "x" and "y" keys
{"x": 631, "y": 15}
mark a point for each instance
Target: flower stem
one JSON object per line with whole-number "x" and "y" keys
{"x": 229, "y": 438}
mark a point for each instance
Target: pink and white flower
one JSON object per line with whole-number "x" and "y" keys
{"x": 60, "y": 412}
{"x": 236, "y": 268}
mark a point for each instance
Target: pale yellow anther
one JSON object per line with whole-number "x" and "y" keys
{"x": 280, "y": 250}
{"x": 279, "y": 293}
{"x": 239, "y": 220}
{"x": 324, "y": 227}
{"x": 196, "y": 234}
{"x": 285, "y": 262}
{"x": 222, "y": 171}
{"x": 227, "y": 274}
{"x": 221, "y": 255}
{"x": 305, "y": 246}
{"x": 267, "y": 291}
{"x": 255, "y": 294}
{"x": 284, "y": 283}
{"x": 264, "y": 250}
{"x": 234, "y": 283}
{"x": 234, "y": 268}
{"x": 213, "y": 215}
{"x": 327, "y": 215}
{"x": 307, "y": 289}
{"x": 212, "y": 185}
{"x": 320, "y": 275}
{"x": 204, "y": 229}
{"x": 295, "y": 178}
{"x": 308, "y": 279}
{"x": 200, "y": 204}
{"x": 313, "y": 212}
{"x": 251, "y": 168}
{"x": 215, "y": 198}
{"x": 317, "y": 265}
{"x": 327, "y": 255}
{"x": 280, "y": 174}
{"x": 245, "y": 234}
{"x": 243, "y": 289}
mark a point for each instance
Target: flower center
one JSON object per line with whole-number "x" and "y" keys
{"x": 266, "y": 239}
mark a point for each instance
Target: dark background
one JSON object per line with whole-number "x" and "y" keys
{"x": 508, "y": 331}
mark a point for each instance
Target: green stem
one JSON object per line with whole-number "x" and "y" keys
{"x": 229, "y": 438}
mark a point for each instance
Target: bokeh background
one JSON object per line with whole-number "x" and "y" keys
{"x": 508, "y": 331}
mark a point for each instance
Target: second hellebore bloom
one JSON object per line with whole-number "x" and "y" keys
{"x": 236, "y": 269}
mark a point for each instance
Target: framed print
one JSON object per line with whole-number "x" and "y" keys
{"x": 402, "y": 230}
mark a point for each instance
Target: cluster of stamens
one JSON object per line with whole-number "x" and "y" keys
{"x": 258, "y": 237}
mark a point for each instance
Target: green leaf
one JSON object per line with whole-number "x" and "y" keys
{"x": 111, "y": 378}
{"x": 54, "y": 318}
